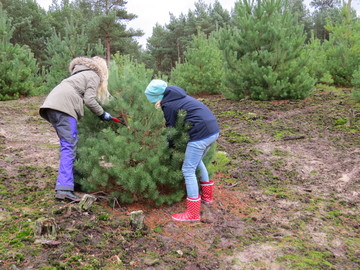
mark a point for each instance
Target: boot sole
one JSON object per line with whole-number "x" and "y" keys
{"x": 185, "y": 220}
{"x": 64, "y": 197}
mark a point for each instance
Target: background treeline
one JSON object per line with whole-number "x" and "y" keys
{"x": 264, "y": 50}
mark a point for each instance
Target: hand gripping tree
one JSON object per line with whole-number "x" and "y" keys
{"x": 131, "y": 162}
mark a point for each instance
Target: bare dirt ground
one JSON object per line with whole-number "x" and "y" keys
{"x": 288, "y": 197}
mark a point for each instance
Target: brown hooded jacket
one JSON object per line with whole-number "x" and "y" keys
{"x": 80, "y": 88}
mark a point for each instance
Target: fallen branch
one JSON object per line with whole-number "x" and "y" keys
{"x": 288, "y": 138}
{"x": 233, "y": 185}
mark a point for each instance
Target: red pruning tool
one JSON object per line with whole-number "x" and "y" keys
{"x": 116, "y": 120}
{"x": 122, "y": 119}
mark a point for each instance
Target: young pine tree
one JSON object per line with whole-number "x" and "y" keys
{"x": 18, "y": 67}
{"x": 61, "y": 50}
{"x": 356, "y": 83}
{"x": 317, "y": 64}
{"x": 133, "y": 162}
{"x": 263, "y": 53}
{"x": 203, "y": 70}
{"x": 343, "y": 47}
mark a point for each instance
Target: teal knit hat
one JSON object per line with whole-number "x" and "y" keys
{"x": 155, "y": 90}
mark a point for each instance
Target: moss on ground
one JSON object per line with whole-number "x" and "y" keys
{"x": 295, "y": 216}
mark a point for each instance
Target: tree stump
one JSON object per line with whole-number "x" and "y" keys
{"x": 86, "y": 202}
{"x": 45, "y": 228}
{"x": 137, "y": 220}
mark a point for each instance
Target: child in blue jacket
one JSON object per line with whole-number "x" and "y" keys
{"x": 203, "y": 133}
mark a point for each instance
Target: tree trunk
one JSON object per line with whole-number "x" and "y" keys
{"x": 178, "y": 50}
{"x": 108, "y": 54}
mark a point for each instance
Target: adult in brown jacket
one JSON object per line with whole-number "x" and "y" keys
{"x": 64, "y": 106}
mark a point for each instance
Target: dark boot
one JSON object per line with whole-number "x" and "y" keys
{"x": 66, "y": 195}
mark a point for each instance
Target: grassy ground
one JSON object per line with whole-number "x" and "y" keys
{"x": 286, "y": 196}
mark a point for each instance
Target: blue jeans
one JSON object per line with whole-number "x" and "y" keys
{"x": 195, "y": 151}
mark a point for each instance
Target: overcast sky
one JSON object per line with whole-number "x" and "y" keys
{"x": 150, "y": 12}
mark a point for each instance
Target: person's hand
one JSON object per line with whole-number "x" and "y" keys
{"x": 106, "y": 116}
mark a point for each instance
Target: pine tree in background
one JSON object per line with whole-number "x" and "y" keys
{"x": 110, "y": 25}
{"x": 203, "y": 70}
{"x": 131, "y": 163}
{"x": 62, "y": 49}
{"x": 318, "y": 67}
{"x": 343, "y": 47}
{"x": 263, "y": 53}
{"x": 31, "y": 25}
{"x": 18, "y": 67}
{"x": 356, "y": 83}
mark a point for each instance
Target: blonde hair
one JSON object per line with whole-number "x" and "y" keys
{"x": 102, "y": 93}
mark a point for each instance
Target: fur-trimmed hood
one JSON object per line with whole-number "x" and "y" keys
{"x": 96, "y": 63}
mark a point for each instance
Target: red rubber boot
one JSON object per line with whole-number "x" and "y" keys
{"x": 207, "y": 192}
{"x": 192, "y": 212}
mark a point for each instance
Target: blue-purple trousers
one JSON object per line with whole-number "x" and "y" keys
{"x": 66, "y": 129}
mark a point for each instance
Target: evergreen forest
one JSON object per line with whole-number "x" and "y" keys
{"x": 260, "y": 49}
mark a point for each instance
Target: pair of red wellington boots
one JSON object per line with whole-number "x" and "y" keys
{"x": 193, "y": 206}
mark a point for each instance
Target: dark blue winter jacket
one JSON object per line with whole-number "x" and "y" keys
{"x": 203, "y": 121}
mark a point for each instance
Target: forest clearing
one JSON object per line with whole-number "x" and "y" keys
{"x": 286, "y": 195}
{"x": 284, "y": 84}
